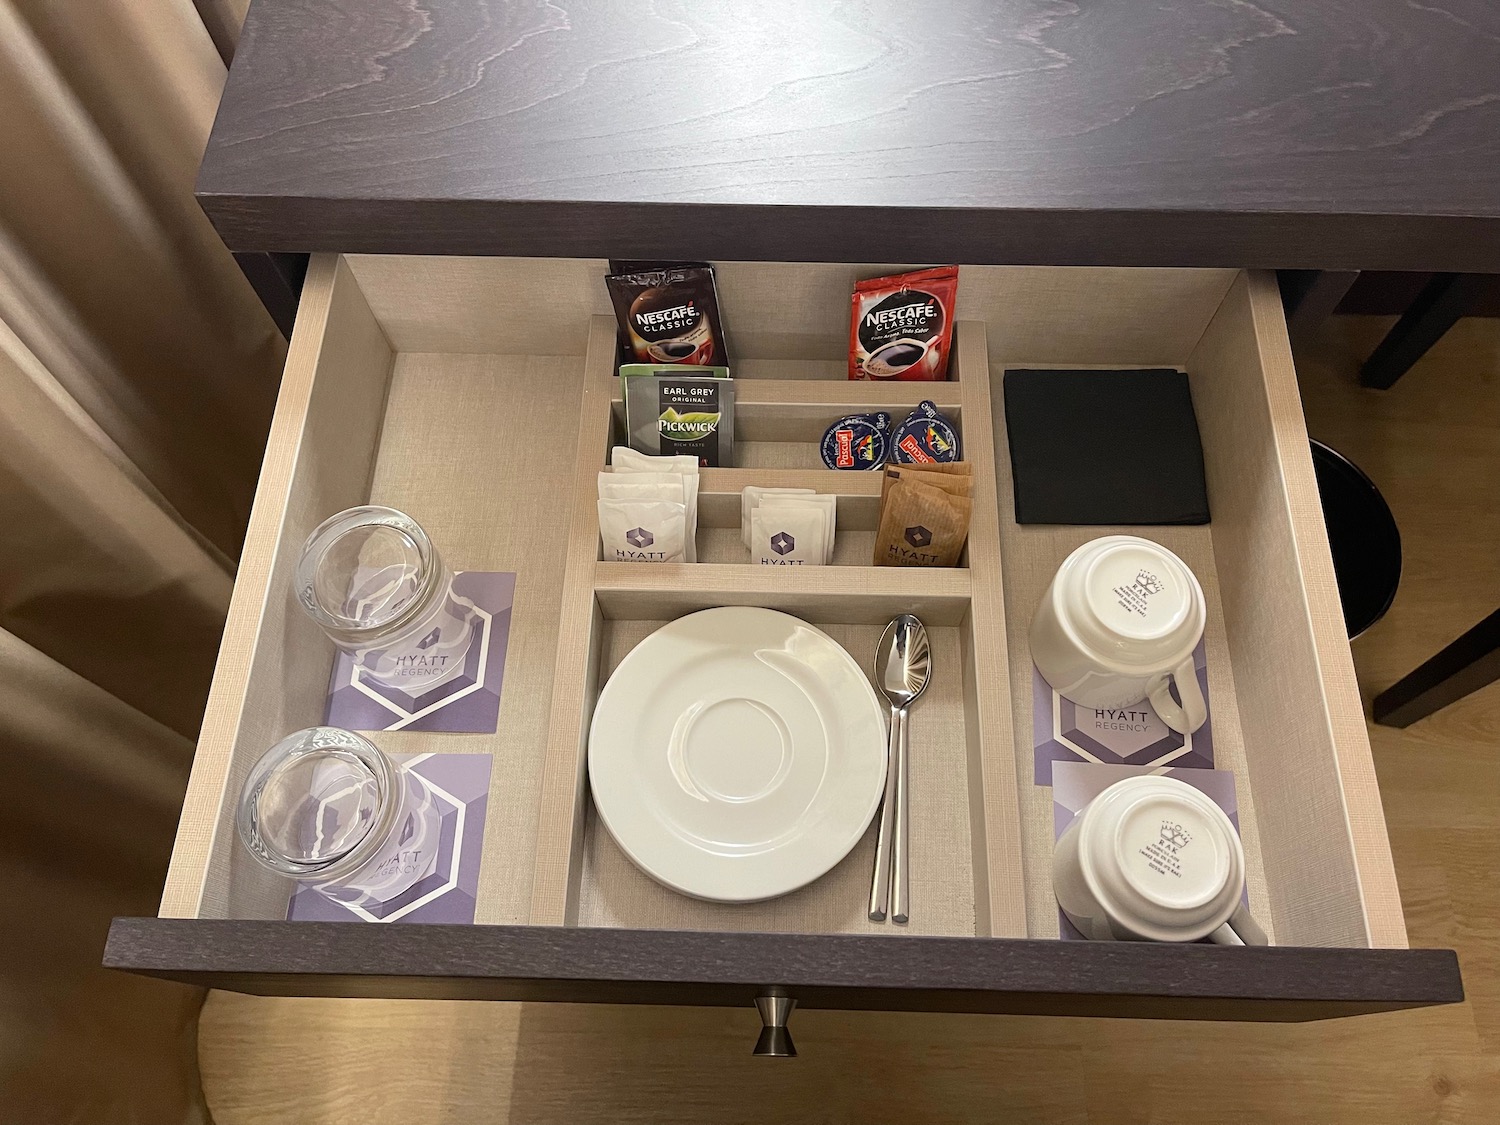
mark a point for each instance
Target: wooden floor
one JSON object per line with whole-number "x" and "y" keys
{"x": 1433, "y": 446}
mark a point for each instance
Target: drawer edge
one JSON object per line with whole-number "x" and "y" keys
{"x": 861, "y": 972}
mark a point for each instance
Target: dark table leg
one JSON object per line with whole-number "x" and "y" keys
{"x": 1465, "y": 666}
{"x": 277, "y": 280}
{"x": 1310, "y": 296}
{"x": 1445, "y": 298}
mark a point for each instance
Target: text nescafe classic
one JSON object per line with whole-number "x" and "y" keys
{"x": 669, "y": 315}
{"x": 902, "y": 326}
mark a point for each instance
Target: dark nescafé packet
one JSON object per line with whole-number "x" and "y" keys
{"x": 901, "y": 326}
{"x": 669, "y": 315}
{"x": 926, "y": 437}
{"x": 859, "y": 441}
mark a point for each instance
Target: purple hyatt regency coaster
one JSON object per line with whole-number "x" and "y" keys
{"x": 1062, "y": 731}
{"x": 444, "y": 683}
{"x": 452, "y": 790}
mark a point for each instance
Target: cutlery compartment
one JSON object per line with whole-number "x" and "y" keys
{"x": 409, "y": 383}
{"x": 611, "y": 891}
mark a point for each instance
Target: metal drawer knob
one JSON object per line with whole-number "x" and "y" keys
{"x": 775, "y": 1040}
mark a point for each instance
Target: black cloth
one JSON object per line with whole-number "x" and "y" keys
{"x": 1104, "y": 447}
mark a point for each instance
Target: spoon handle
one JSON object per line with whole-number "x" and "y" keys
{"x": 880, "y": 887}
{"x": 901, "y": 886}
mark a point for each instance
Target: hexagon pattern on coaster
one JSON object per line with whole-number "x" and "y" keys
{"x": 462, "y": 701}
{"x": 1062, "y": 731}
{"x": 458, "y": 786}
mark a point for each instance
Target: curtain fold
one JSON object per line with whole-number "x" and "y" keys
{"x": 108, "y": 106}
{"x": 137, "y": 376}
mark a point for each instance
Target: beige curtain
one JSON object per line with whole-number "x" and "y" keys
{"x": 137, "y": 374}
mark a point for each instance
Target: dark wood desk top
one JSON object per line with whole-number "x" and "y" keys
{"x": 1334, "y": 134}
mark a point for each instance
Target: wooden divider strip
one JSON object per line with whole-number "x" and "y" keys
{"x": 559, "y": 845}
{"x": 835, "y": 595}
{"x": 994, "y": 811}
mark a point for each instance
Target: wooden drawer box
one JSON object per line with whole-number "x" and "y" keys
{"x": 478, "y": 395}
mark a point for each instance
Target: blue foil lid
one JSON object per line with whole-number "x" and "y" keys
{"x": 859, "y": 441}
{"x": 927, "y": 436}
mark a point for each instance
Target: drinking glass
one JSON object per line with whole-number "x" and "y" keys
{"x": 327, "y": 807}
{"x": 372, "y": 579}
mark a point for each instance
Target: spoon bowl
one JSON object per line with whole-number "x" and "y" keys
{"x": 903, "y": 661}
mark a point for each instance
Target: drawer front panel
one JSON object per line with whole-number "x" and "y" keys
{"x": 931, "y": 974}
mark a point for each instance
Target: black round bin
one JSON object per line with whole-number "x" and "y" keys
{"x": 1364, "y": 537}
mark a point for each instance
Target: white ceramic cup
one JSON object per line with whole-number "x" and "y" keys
{"x": 1118, "y": 624}
{"x": 1153, "y": 859}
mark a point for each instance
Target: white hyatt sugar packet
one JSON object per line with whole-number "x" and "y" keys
{"x": 787, "y": 536}
{"x": 751, "y": 498}
{"x": 641, "y": 530}
{"x": 642, "y": 486}
{"x": 628, "y": 462}
{"x": 825, "y": 503}
{"x": 679, "y": 487}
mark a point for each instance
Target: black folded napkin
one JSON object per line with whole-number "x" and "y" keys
{"x": 1104, "y": 447}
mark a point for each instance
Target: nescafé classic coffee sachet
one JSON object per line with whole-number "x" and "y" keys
{"x": 901, "y": 326}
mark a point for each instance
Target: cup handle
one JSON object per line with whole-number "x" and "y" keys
{"x": 1193, "y": 712}
{"x": 1241, "y": 929}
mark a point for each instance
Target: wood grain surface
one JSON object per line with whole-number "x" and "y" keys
{"x": 1430, "y": 444}
{"x": 579, "y": 964}
{"x": 1351, "y": 134}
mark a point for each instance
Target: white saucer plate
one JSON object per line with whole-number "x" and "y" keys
{"x": 737, "y": 754}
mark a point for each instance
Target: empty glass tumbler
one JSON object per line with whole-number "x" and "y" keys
{"x": 327, "y": 807}
{"x": 372, "y": 579}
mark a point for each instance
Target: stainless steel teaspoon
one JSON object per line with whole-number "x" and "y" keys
{"x": 903, "y": 663}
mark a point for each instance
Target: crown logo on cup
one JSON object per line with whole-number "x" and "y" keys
{"x": 1175, "y": 834}
{"x": 1148, "y": 582}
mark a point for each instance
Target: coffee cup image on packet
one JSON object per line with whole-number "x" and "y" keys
{"x": 901, "y": 326}
{"x": 669, "y": 315}
{"x": 926, "y": 437}
{"x": 857, "y": 441}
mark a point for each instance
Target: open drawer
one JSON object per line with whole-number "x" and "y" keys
{"x": 478, "y": 395}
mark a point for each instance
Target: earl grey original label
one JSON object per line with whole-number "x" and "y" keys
{"x": 689, "y": 418}
{"x": 675, "y": 415}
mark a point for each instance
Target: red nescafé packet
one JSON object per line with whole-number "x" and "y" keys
{"x": 902, "y": 325}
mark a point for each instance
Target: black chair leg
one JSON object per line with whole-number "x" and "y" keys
{"x": 1310, "y": 296}
{"x": 1442, "y": 301}
{"x": 1465, "y": 666}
